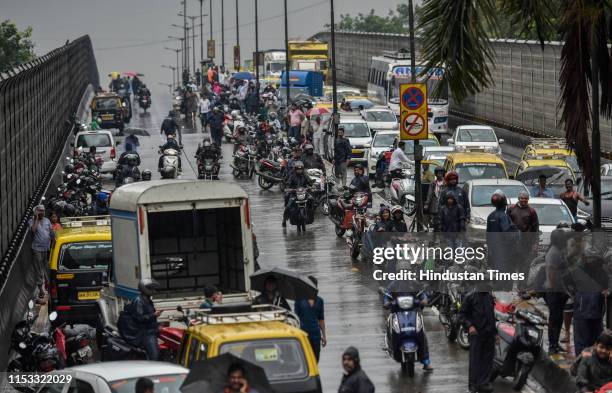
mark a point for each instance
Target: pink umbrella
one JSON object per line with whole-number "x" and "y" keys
{"x": 316, "y": 111}
{"x": 132, "y": 74}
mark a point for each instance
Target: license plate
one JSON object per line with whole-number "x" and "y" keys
{"x": 107, "y": 117}
{"x": 89, "y": 295}
{"x": 357, "y": 151}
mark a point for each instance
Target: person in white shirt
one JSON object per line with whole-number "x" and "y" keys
{"x": 317, "y": 133}
{"x": 397, "y": 158}
{"x": 204, "y": 109}
{"x": 244, "y": 89}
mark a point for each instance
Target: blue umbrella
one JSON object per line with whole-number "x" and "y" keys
{"x": 247, "y": 76}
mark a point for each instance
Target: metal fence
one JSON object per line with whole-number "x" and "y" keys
{"x": 36, "y": 100}
{"x": 524, "y": 96}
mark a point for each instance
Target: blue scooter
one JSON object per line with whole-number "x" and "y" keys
{"x": 404, "y": 329}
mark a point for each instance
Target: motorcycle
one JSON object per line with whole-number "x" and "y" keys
{"x": 35, "y": 352}
{"x": 170, "y": 164}
{"x": 301, "y": 208}
{"x": 208, "y": 169}
{"x": 144, "y": 102}
{"x": 404, "y": 324}
{"x": 448, "y": 306}
{"x": 402, "y": 191}
{"x": 320, "y": 188}
{"x": 519, "y": 344}
{"x": 73, "y": 346}
{"x": 271, "y": 172}
{"x": 358, "y": 224}
{"x": 245, "y": 161}
{"x": 341, "y": 211}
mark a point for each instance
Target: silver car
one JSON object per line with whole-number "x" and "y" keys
{"x": 120, "y": 377}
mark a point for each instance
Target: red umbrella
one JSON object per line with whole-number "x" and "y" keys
{"x": 132, "y": 74}
{"x": 316, "y": 111}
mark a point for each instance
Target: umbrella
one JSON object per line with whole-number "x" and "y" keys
{"x": 247, "y": 76}
{"x": 210, "y": 375}
{"x": 136, "y": 131}
{"x": 291, "y": 284}
{"x": 317, "y": 111}
{"x": 132, "y": 73}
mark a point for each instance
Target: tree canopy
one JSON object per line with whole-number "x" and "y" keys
{"x": 16, "y": 46}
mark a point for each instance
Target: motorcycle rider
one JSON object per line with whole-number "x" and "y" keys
{"x": 312, "y": 159}
{"x": 128, "y": 168}
{"x": 234, "y": 104}
{"x": 451, "y": 179}
{"x": 297, "y": 179}
{"x": 144, "y": 91}
{"x": 384, "y": 223}
{"x": 171, "y": 143}
{"x": 398, "y": 157}
{"x": 354, "y": 380}
{"x": 361, "y": 183}
{"x": 216, "y": 120}
{"x": 209, "y": 151}
{"x": 397, "y": 217}
{"x": 169, "y": 125}
{"x": 137, "y": 322}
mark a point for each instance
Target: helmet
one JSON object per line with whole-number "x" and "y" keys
{"x": 132, "y": 160}
{"x": 103, "y": 196}
{"x": 308, "y": 147}
{"x": 450, "y": 176}
{"x": 359, "y": 166}
{"x": 206, "y": 143}
{"x": 498, "y": 199}
{"x": 147, "y": 286}
{"x": 298, "y": 165}
{"x": 146, "y": 175}
{"x": 396, "y": 209}
{"x": 69, "y": 210}
{"x": 69, "y": 168}
{"x": 171, "y": 114}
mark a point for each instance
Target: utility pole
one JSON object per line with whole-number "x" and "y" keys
{"x": 336, "y": 117}
{"x": 210, "y": 18}
{"x": 257, "y": 51}
{"x": 201, "y": 32}
{"x": 418, "y": 150}
{"x": 237, "y": 33}
{"x": 174, "y": 70}
{"x": 222, "y": 34}
{"x": 182, "y": 66}
{"x": 287, "y": 66}
{"x": 186, "y": 54}
{"x": 193, "y": 35}
{"x": 177, "y": 63}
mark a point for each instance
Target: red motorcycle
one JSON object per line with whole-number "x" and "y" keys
{"x": 341, "y": 213}
{"x": 358, "y": 223}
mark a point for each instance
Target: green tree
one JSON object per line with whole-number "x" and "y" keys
{"x": 15, "y": 46}
{"x": 395, "y": 22}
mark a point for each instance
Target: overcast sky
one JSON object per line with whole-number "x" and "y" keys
{"x": 130, "y": 35}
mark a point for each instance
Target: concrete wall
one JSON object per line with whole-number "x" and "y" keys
{"x": 524, "y": 95}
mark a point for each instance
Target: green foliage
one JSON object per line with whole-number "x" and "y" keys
{"x": 15, "y": 46}
{"x": 395, "y": 22}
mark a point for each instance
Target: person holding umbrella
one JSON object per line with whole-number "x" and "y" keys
{"x": 312, "y": 320}
{"x": 271, "y": 295}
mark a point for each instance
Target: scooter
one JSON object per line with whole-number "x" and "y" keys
{"x": 358, "y": 224}
{"x": 404, "y": 324}
{"x": 402, "y": 191}
{"x": 519, "y": 344}
{"x": 170, "y": 164}
{"x": 73, "y": 346}
{"x": 144, "y": 102}
{"x": 301, "y": 208}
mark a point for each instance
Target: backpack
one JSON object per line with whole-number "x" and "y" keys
{"x": 537, "y": 274}
{"x": 167, "y": 125}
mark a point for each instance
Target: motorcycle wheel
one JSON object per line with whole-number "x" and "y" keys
{"x": 408, "y": 368}
{"x": 463, "y": 339}
{"x": 228, "y": 139}
{"x": 15, "y": 366}
{"x": 235, "y": 173}
{"x": 324, "y": 206}
{"x": 263, "y": 183}
{"x": 520, "y": 377}
{"x": 340, "y": 231}
{"x": 355, "y": 249}
{"x": 451, "y": 331}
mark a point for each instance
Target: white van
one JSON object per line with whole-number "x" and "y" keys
{"x": 105, "y": 147}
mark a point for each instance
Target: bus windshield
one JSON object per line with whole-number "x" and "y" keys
{"x": 432, "y": 84}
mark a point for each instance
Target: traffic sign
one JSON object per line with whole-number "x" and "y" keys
{"x": 413, "y": 111}
{"x": 237, "y": 57}
{"x": 210, "y": 49}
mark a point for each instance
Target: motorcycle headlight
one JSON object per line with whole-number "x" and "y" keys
{"x": 405, "y": 302}
{"x": 395, "y": 324}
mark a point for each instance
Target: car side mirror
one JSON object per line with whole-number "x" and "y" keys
{"x": 450, "y": 141}
{"x": 501, "y": 141}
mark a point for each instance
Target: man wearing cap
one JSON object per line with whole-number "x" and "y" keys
{"x": 354, "y": 380}
{"x": 42, "y": 235}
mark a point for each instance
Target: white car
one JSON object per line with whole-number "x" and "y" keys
{"x": 380, "y": 118}
{"x": 382, "y": 141}
{"x": 476, "y": 138}
{"x": 479, "y": 194}
{"x": 437, "y": 154}
{"x": 606, "y": 170}
{"x": 105, "y": 147}
{"x": 120, "y": 377}
{"x": 358, "y": 133}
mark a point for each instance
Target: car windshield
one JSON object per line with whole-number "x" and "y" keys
{"x": 277, "y": 67}
{"x": 281, "y": 359}
{"x": 382, "y": 116}
{"x": 355, "y": 104}
{"x": 409, "y": 147}
{"x": 552, "y": 214}
{"x": 86, "y": 256}
{"x": 554, "y": 176}
{"x": 102, "y": 104}
{"x": 472, "y": 171}
{"x": 476, "y": 135}
{"x": 163, "y": 383}
{"x": 384, "y": 140}
{"x": 481, "y": 195}
{"x": 572, "y": 161}
{"x": 356, "y": 130}
{"x": 97, "y": 140}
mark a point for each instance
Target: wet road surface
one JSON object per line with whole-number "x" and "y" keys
{"x": 353, "y": 307}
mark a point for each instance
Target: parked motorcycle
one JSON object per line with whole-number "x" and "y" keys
{"x": 322, "y": 187}
{"x": 358, "y": 224}
{"x": 341, "y": 211}
{"x": 519, "y": 345}
{"x": 170, "y": 164}
{"x": 245, "y": 161}
{"x": 402, "y": 191}
{"x": 74, "y": 346}
{"x": 448, "y": 305}
{"x": 271, "y": 172}
{"x": 301, "y": 208}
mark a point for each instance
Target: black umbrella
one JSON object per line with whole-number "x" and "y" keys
{"x": 291, "y": 285}
{"x": 211, "y": 375}
{"x": 136, "y": 131}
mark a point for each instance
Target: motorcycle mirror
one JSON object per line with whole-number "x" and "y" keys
{"x": 22, "y": 345}
{"x": 78, "y": 181}
{"x": 53, "y": 316}
{"x": 31, "y": 304}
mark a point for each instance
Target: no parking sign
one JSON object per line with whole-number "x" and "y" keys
{"x": 413, "y": 111}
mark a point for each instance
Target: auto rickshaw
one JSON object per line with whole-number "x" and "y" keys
{"x": 109, "y": 110}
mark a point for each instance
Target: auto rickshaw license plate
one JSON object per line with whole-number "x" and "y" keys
{"x": 107, "y": 117}
{"x": 357, "y": 151}
{"x": 89, "y": 295}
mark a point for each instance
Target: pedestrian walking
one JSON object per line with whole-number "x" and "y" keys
{"x": 317, "y": 134}
{"x": 42, "y": 235}
{"x": 193, "y": 102}
{"x": 354, "y": 380}
{"x": 501, "y": 234}
{"x": 451, "y": 181}
{"x": 555, "y": 296}
{"x": 525, "y": 218}
{"x": 431, "y": 206}
{"x": 571, "y": 197}
{"x": 478, "y": 315}
{"x": 216, "y": 120}
{"x": 452, "y": 221}
{"x": 294, "y": 119}
{"x": 312, "y": 320}
{"x": 342, "y": 154}
{"x": 204, "y": 107}
{"x": 588, "y": 281}
{"x": 540, "y": 190}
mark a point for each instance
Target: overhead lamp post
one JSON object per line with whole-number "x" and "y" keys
{"x": 287, "y": 65}
{"x": 336, "y": 117}
{"x": 193, "y": 35}
{"x": 201, "y": 32}
{"x": 174, "y": 69}
{"x": 177, "y": 61}
{"x": 182, "y": 66}
{"x": 257, "y": 50}
{"x": 186, "y": 54}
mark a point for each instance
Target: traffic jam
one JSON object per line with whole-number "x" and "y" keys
{"x": 267, "y": 228}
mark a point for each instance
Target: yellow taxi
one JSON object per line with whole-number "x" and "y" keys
{"x": 79, "y": 263}
{"x": 472, "y": 165}
{"x": 261, "y": 337}
{"x": 550, "y": 148}
{"x": 556, "y": 171}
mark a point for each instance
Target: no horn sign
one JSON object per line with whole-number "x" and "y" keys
{"x": 413, "y": 111}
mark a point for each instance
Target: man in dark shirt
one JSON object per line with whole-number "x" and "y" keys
{"x": 342, "y": 155}
{"x": 478, "y": 316}
{"x": 525, "y": 219}
{"x": 169, "y": 125}
{"x": 354, "y": 380}
{"x": 361, "y": 183}
{"x": 595, "y": 371}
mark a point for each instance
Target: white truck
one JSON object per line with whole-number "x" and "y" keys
{"x": 186, "y": 235}
{"x": 274, "y": 63}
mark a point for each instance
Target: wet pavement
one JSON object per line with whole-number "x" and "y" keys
{"x": 353, "y": 307}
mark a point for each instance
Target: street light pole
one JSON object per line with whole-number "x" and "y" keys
{"x": 222, "y": 34}
{"x": 182, "y": 49}
{"x": 211, "y": 20}
{"x": 257, "y": 51}
{"x": 177, "y": 61}
{"x": 201, "y": 31}
{"x": 186, "y": 54}
{"x": 174, "y": 69}
{"x": 287, "y": 66}
{"x": 333, "y": 71}
{"x": 193, "y": 35}
{"x": 237, "y": 34}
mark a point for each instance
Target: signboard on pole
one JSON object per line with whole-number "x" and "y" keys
{"x": 413, "y": 111}
{"x": 237, "y": 57}
{"x": 210, "y": 46}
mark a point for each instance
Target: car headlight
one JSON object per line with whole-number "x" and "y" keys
{"x": 476, "y": 220}
{"x": 581, "y": 214}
